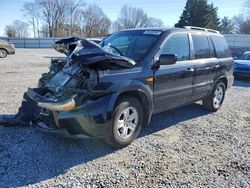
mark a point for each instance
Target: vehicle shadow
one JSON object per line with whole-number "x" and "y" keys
{"x": 172, "y": 117}
{"x": 29, "y": 156}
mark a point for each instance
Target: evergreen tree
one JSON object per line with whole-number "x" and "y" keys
{"x": 213, "y": 19}
{"x": 200, "y": 14}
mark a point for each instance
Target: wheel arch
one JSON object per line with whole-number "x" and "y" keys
{"x": 224, "y": 80}
{"x": 144, "y": 99}
{"x": 1, "y": 48}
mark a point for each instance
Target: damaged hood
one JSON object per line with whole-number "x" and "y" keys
{"x": 62, "y": 45}
{"x": 89, "y": 53}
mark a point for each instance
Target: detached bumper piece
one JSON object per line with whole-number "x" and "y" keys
{"x": 26, "y": 113}
{"x": 61, "y": 107}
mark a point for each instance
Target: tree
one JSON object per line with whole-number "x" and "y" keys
{"x": 199, "y": 13}
{"x": 214, "y": 20}
{"x": 155, "y": 22}
{"x": 74, "y": 11}
{"x": 242, "y": 24}
{"x": 53, "y": 13}
{"x": 96, "y": 23}
{"x": 242, "y": 21}
{"x": 131, "y": 17}
{"x": 10, "y": 31}
{"x": 17, "y": 29}
{"x": 245, "y": 27}
{"x": 32, "y": 13}
{"x": 60, "y": 16}
{"x": 226, "y": 26}
{"x": 246, "y": 8}
{"x": 22, "y": 28}
{"x": 44, "y": 31}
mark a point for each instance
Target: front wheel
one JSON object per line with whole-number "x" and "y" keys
{"x": 214, "y": 101}
{"x": 127, "y": 122}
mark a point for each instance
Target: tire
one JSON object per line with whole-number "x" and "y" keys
{"x": 127, "y": 121}
{"x": 3, "y": 53}
{"x": 214, "y": 101}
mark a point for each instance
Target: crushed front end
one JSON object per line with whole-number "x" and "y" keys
{"x": 69, "y": 99}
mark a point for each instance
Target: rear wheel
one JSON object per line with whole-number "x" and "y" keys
{"x": 127, "y": 122}
{"x": 3, "y": 53}
{"x": 214, "y": 101}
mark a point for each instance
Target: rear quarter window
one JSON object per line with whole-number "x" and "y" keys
{"x": 221, "y": 47}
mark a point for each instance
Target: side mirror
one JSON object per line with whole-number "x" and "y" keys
{"x": 235, "y": 58}
{"x": 167, "y": 59}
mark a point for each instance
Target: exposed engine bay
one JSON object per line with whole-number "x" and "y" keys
{"x": 69, "y": 83}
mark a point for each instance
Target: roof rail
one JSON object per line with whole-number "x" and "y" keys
{"x": 201, "y": 29}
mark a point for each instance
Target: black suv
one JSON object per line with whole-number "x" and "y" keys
{"x": 112, "y": 89}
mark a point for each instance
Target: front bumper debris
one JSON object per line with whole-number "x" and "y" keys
{"x": 87, "y": 121}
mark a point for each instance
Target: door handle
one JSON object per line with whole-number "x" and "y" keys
{"x": 190, "y": 69}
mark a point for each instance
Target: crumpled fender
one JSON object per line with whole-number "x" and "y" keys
{"x": 128, "y": 86}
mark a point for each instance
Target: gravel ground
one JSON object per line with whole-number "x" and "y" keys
{"x": 185, "y": 147}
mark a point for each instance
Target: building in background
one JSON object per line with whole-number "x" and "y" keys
{"x": 238, "y": 43}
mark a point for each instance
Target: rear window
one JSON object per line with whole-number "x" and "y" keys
{"x": 201, "y": 47}
{"x": 221, "y": 47}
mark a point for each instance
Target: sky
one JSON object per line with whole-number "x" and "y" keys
{"x": 168, "y": 11}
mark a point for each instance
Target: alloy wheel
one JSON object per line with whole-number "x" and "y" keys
{"x": 218, "y": 96}
{"x": 126, "y": 123}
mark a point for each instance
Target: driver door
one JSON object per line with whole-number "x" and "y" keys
{"x": 173, "y": 83}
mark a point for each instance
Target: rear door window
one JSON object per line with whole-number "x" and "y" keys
{"x": 179, "y": 45}
{"x": 221, "y": 47}
{"x": 201, "y": 46}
